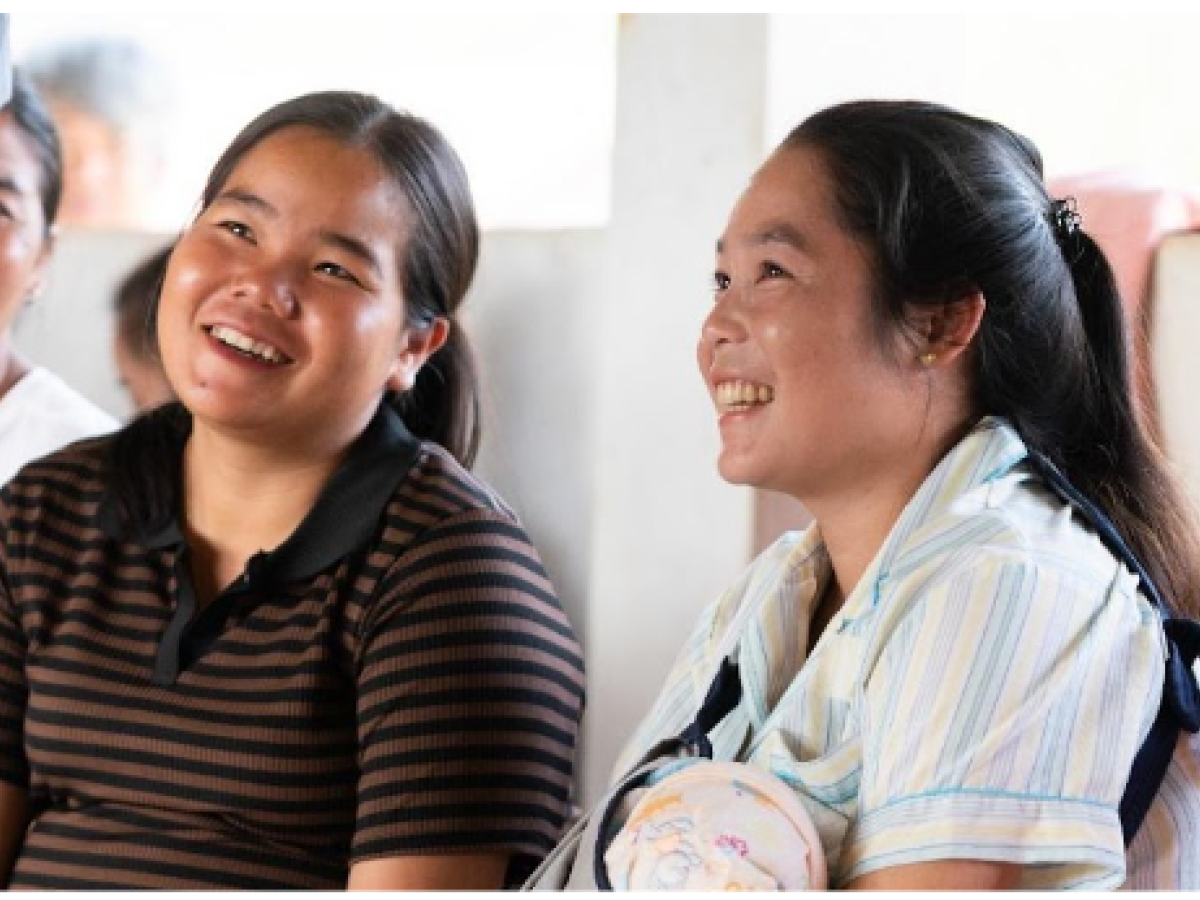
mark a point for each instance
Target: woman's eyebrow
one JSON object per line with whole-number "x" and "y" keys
{"x": 247, "y": 198}
{"x": 777, "y": 233}
{"x": 781, "y": 233}
{"x": 354, "y": 247}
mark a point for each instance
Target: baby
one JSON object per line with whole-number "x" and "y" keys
{"x": 716, "y": 826}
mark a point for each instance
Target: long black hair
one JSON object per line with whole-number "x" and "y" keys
{"x": 439, "y": 250}
{"x": 950, "y": 204}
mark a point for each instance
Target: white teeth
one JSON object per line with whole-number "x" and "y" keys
{"x": 741, "y": 395}
{"x": 246, "y": 344}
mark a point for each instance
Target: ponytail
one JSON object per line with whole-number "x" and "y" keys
{"x": 443, "y": 405}
{"x": 1111, "y": 456}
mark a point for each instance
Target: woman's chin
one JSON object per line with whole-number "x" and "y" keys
{"x": 738, "y": 470}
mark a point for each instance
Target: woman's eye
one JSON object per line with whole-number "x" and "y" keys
{"x": 237, "y": 229}
{"x": 770, "y": 270}
{"x": 720, "y": 281}
{"x": 331, "y": 268}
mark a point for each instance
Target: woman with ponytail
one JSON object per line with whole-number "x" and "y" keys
{"x": 276, "y": 635}
{"x": 950, "y": 667}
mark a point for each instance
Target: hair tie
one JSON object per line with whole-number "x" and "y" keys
{"x": 1065, "y": 218}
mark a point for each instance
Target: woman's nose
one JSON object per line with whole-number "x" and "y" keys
{"x": 271, "y": 287}
{"x": 722, "y": 328}
{"x": 722, "y": 325}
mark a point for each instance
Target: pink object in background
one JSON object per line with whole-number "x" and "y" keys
{"x": 1128, "y": 216}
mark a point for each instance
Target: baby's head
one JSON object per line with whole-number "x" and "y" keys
{"x": 704, "y": 825}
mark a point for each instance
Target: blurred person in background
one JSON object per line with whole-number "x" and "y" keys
{"x": 135, "y": 347}
{"x": 5, "y": 61}
{"x": 38, "y": 411}
{"x": 107, "y": 95}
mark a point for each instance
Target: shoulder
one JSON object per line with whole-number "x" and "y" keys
{"x": 439, "y": 494}
{"x": 44, "y": 396}
{"x": 1011, "y": 521}
{"x": 448, "y": 537}
{"x": 458, "y": 574}
{"x": 77, "y": 468}
{"x": 41, "y": 414}
{"x": 51, "y": 507}
{"x": 1007, "y": 558}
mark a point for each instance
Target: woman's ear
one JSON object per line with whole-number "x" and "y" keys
{"x": 41, "y": 269}
{"x": 945, "y": 330}
{"x": 416, "y": 346}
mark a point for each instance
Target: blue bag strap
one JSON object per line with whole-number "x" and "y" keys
{"x": 1179, "y": 708}
{"x": 723, "y": 695}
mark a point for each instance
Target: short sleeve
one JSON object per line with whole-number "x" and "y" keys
{"x": 1001, "y": 720}
{"x": 14, "y": 768}
{"x": 470, "y": 693}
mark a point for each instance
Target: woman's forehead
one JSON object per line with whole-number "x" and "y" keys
{"x": 787, "y": 200}
{"x": 301, "y": 165}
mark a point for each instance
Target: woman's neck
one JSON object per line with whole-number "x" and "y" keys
{"x": 855, "y": 523}
{"x": 240, "y": 498}
{"x": 853, "y": 532}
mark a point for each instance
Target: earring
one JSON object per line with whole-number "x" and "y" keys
{"x": 928, "y": 358}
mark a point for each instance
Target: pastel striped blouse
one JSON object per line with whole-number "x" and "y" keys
{"x": 980, "y": 695}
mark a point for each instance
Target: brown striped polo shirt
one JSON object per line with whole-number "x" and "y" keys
{"x": 397, "y": 678}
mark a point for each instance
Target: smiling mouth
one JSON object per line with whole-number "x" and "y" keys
{"x": 740, "y": 396}
{"x": 247, "y": 346}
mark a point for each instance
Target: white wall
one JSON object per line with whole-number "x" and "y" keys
{"x": 1093, "y": 89}
{"x": 667, "y": 533}
{"x": 532, "y": 315}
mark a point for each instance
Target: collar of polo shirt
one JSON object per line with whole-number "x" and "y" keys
{"x": 345, "y": 516}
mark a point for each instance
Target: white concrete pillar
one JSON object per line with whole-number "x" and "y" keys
{"x": 668, "y": 534}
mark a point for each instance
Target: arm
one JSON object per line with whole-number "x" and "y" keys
{"x": 14, "y": 818}
{"x": 947, "y": 875}
{"x": 14, "y": 773}
{"x": 1000, "y": 722}
{"x": 469, "y": 701}
{"x": 475, "y": 872}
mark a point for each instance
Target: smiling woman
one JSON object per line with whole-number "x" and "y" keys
{"x": 275, "y": 635}
{"x": 38, "y": 411}
{"x": 950, "y": 669}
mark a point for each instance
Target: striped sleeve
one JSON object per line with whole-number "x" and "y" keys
{"x": 1001, "y": 720}
{"x": 470, "y": 692}
{"x": 14, "y": 768}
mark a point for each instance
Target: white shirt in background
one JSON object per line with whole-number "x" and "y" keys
{"x": 40, "y": 414}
